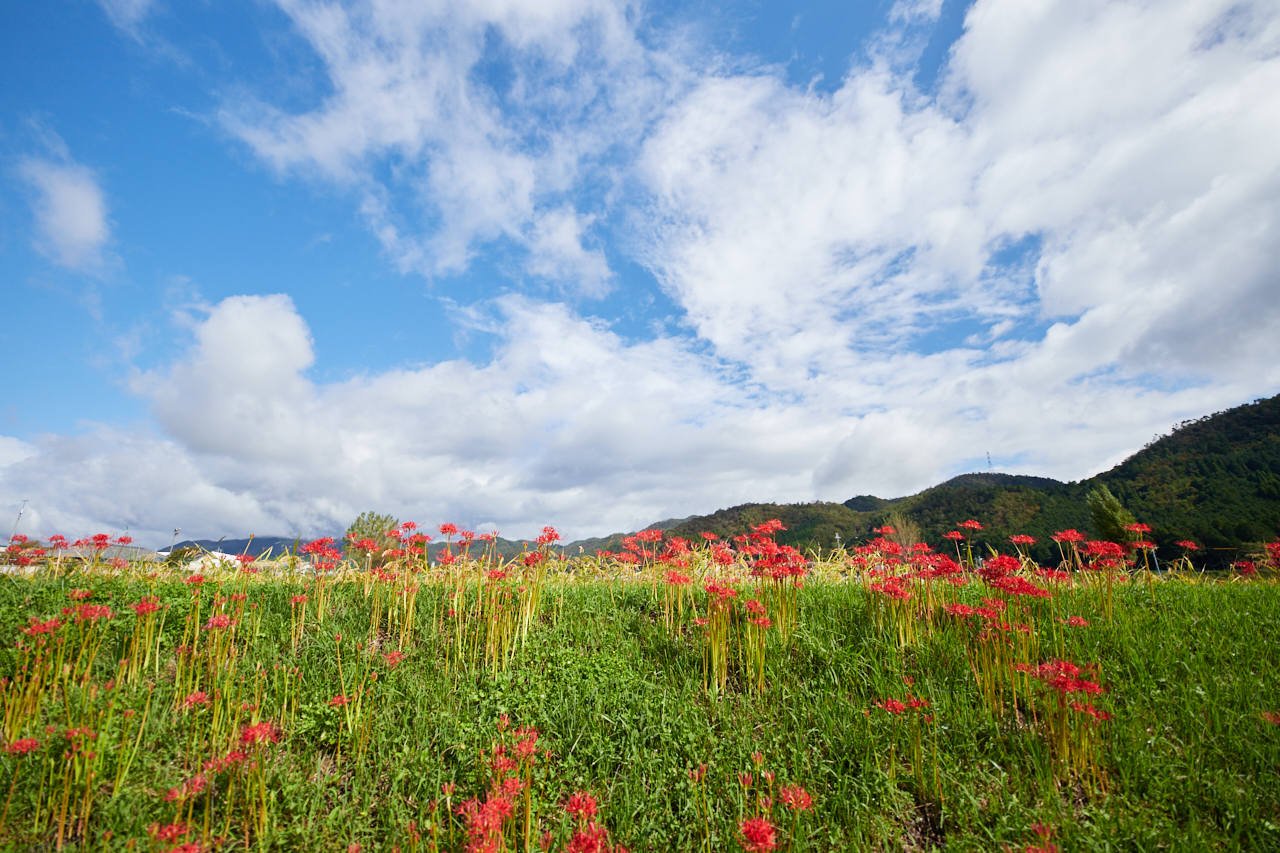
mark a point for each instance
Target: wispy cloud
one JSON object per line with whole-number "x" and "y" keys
{"x": 488, "y": 116}
{"x": 127, "y": 14}
{"x": 72, "y": 226}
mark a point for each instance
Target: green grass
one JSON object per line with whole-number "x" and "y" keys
{"x": 1190, "y": 763}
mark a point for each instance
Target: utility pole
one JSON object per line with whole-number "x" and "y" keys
{"x": 837, "y": 540}
{"x": 21, "y": 510}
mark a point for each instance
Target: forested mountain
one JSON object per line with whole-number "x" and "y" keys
{"x": 1215, "y": 481}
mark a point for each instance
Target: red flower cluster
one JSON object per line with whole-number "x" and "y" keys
{"x": 22, "y": 747}
{"x": 1062, "y": 676}
{"x": 796, "y": 798}
{"x": 261, "y": 733}
{"x": 758, "y": 835}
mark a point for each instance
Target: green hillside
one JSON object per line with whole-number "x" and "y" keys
{"x": 1215, "y": 481}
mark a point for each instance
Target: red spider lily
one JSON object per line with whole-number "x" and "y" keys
{"x": 892, "y": 588}
{"x": 147, "y": 605}
{"x": 338, "y": 701}
{"x": 1060, "y": 675}
{"x": 1187, "y": 544}
{"x": 222, "y": 620}
{"x": 549, "y": 536}
{"x": 893, "y": 706}
{"x": 971, "y": 524}
{"x": 169, "y": 832}
{"x": 317, "y": 546}
{"x": 448, "y": 529}
{"x": 261, "y": 733}
{"x": 35, "y": 626}
{"x": 960, "y": 610}
{"x": 758, "y": 835}
{"x": 1096, "y": 713}
{"x": 80, "y": 594}
{"x": 527, "y": 746}
{"x": 92, "y": 612}
{"x": 1098, "y": 549}
{"x": 709, "y": 536}
{"x": 1076, "y": 622}
{"x": 484, "y": 821}
{"x": 1022, "y": 539}
{"x": 591, "y": 838}
{"x": 298, "y": 599}
{"x": 1068, "y": 535}
{"x": 245, "y": 559}
{"x": 756, "y": 607}
{"x": 696, "y": 775}
{"x": 496, "y": 575}
{"x": 393, "y": 658}
{"x": 884, "y": 531}
{"x": 191, "y": 788}
{"x": 1137, "y": 528}
{"x": 1247, "y": 568}
{"x": 581, "y": 805}
{"x": 1019, "y": 586}
{"x": 1001, "y": 564}
{"x": 796, "y": 798}
{"x": 745, "y": 779}
{"x": 193, "y": 700}
{"x": 954, "y": 536}
{"x": 22, "y": 747}
{"x": 194, "y": 580}
{"x": 231, "y": 759}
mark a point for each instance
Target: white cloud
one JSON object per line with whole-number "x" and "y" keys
{"x": 567, "y": 425}
{"x": 486, "y": 113}
{"x": 127, "y": 14}
{"x": 70, "y": 211}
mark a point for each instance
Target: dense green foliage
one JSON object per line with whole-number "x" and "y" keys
{"x": 1190, "y": 762}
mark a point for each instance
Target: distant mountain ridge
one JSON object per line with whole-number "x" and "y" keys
{"x": 1215, "y": 481}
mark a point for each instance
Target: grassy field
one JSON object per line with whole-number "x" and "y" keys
{"x": 679, "y": 703}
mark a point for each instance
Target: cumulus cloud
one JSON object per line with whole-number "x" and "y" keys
{"x": 70, "y": 211}
{"x": 827, "y": 241}
{"x": 567, "y": 425}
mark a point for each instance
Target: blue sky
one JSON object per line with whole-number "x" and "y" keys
{"x": 267, "y": 265}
